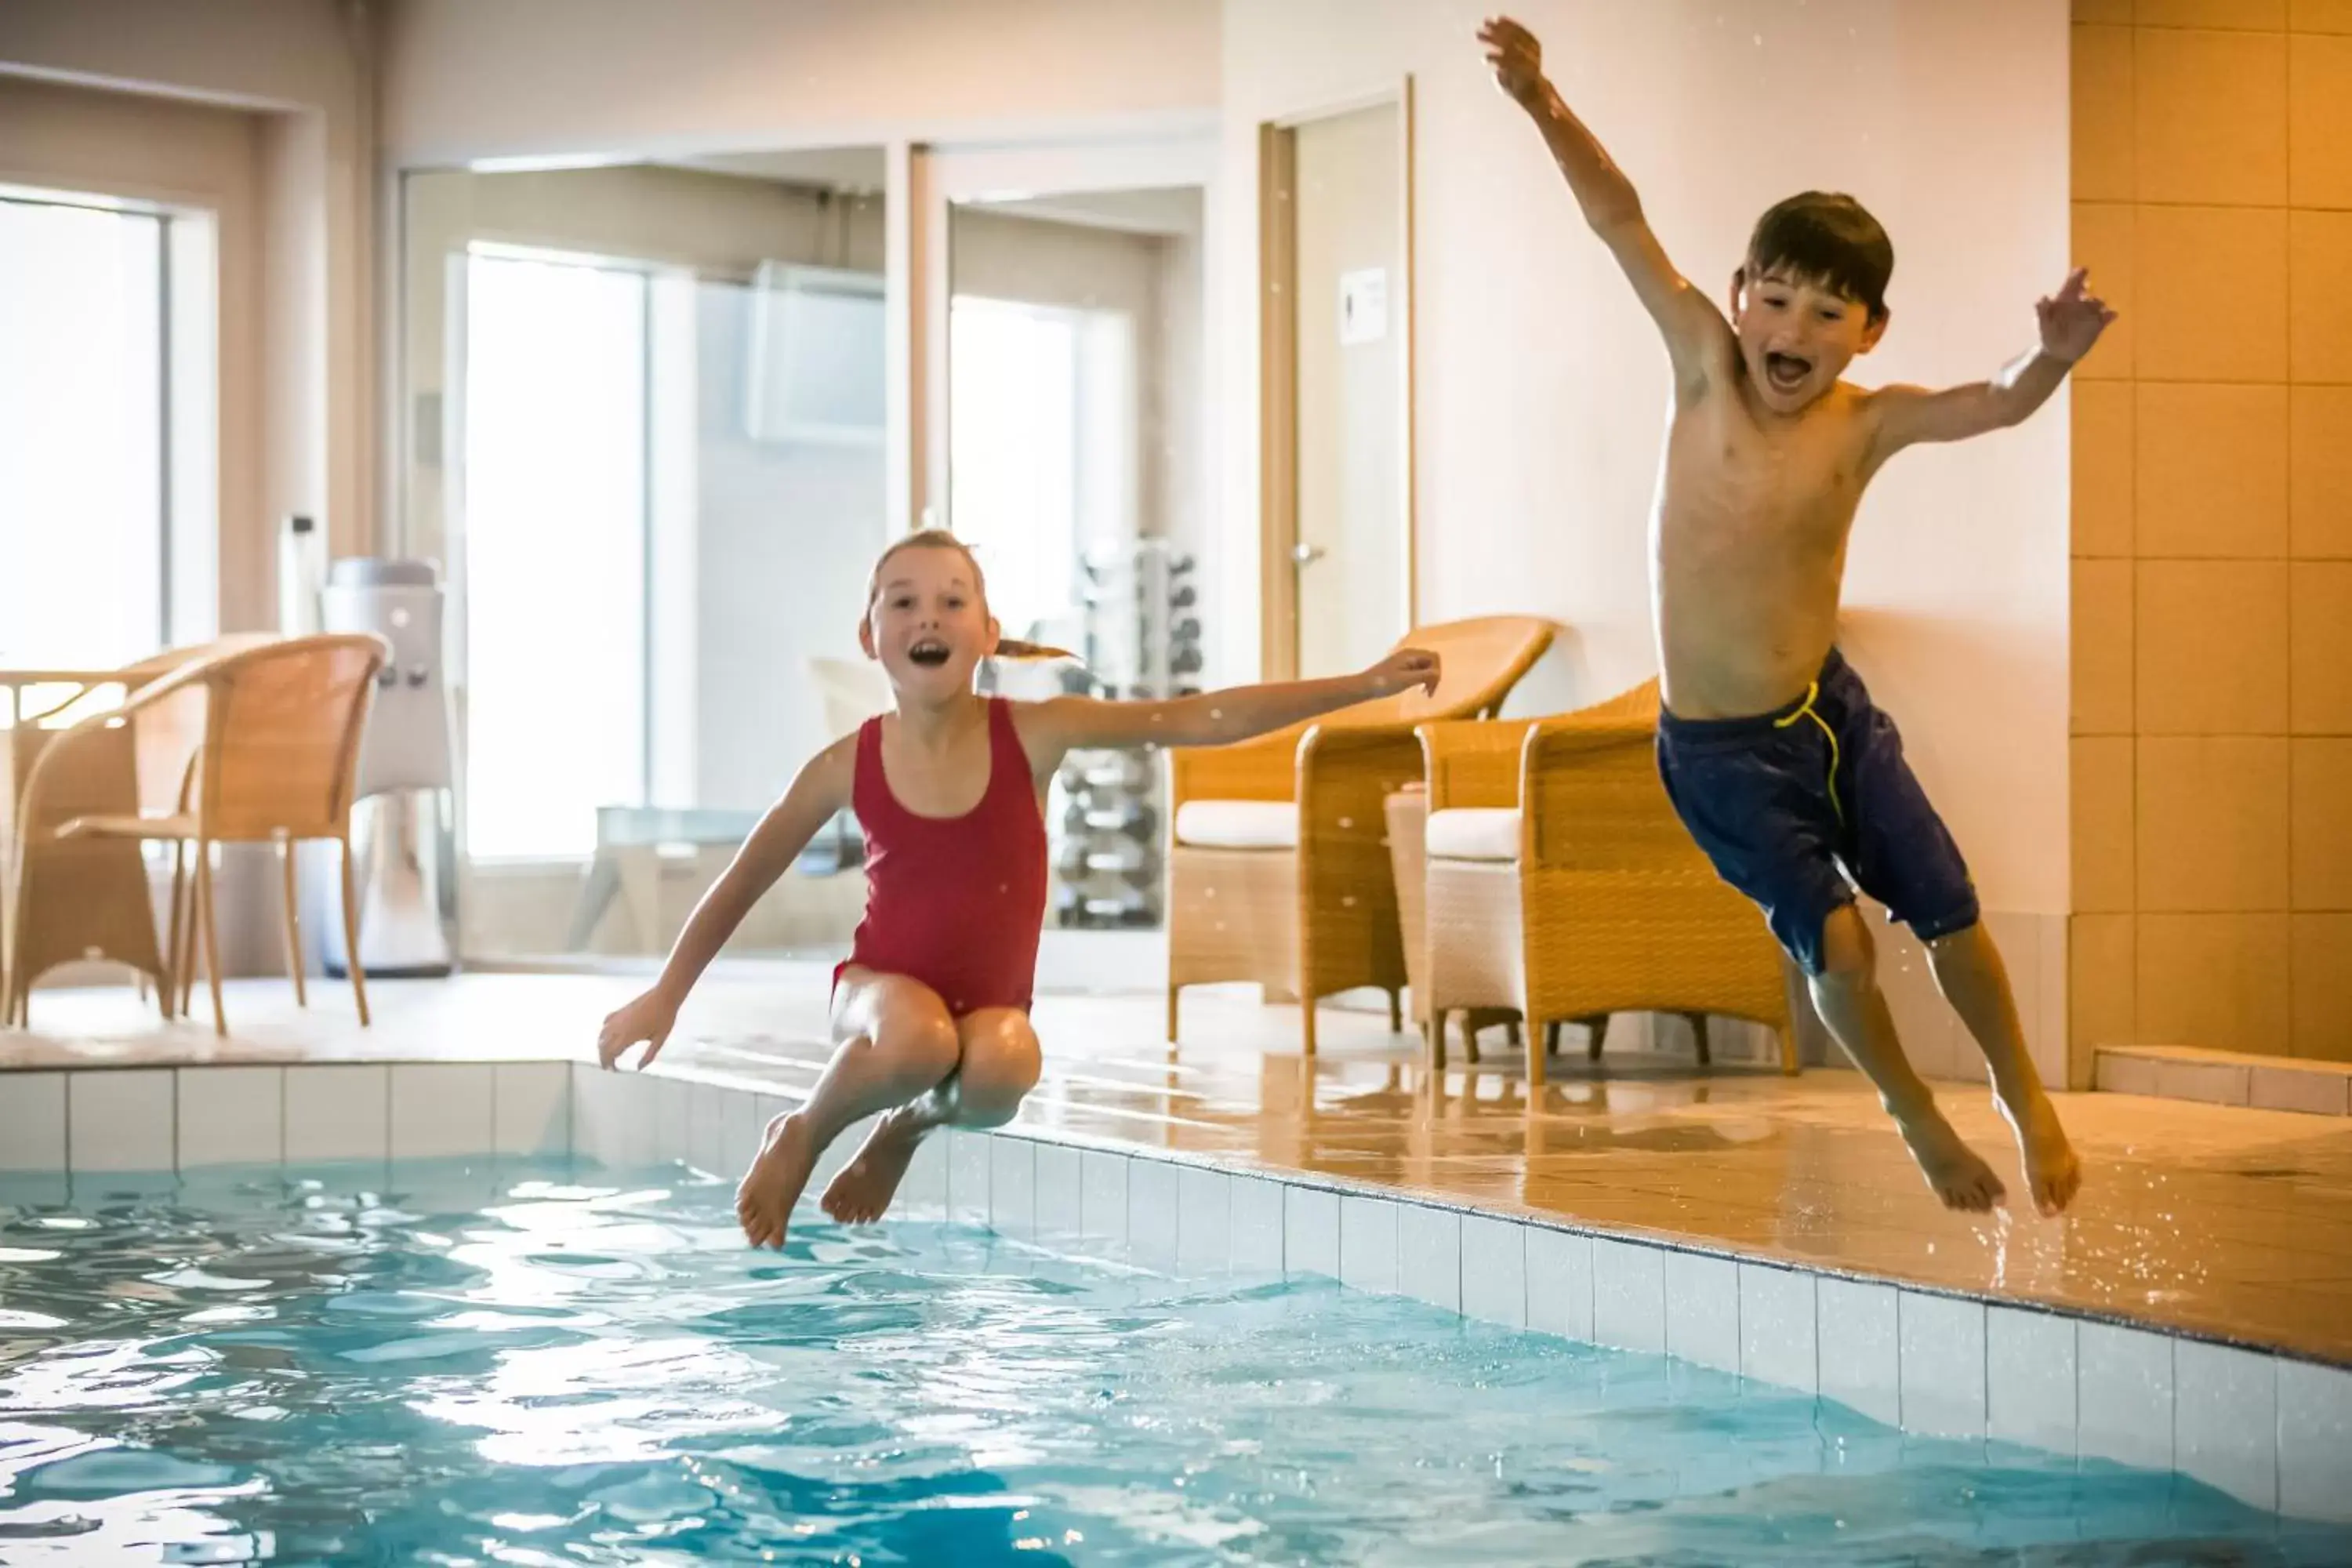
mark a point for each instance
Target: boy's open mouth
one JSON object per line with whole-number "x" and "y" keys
{"x": 930, "y": 653}
{"x": 1786, "y": 372}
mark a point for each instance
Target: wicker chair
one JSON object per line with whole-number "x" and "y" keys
{"x": 1278, "y": 863}
{"x": 258, "y": 744}
{"x": 1561, "y": 883}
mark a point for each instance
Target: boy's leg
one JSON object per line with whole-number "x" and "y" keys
{"x": 896, "y": 1042}
{"x": 1847, "y": 996}
{"x": 1765, "y": 799}
{"x": 1904, "y": 857}
{"x": 997, "y": 1065}
{"x": 1969, "y": 971}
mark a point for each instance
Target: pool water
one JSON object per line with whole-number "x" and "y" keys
{"x": 542, "y": 1369}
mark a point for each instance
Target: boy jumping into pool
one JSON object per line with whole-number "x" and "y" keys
{"x": 1788, "y": 778}
{"x": 930, "y": 1014}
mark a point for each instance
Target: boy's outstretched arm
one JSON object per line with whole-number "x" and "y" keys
{"x": 821, "y": 789}
{"x": 1694, "y": 329}
{"x": 1215, "y": 717}
{"x": 2072, "y": 321}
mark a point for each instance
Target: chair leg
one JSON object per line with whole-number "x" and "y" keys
{"x": 1598, "y": 1026}
{"x": 1470, "y": 1035}
{"x": 1307, "y": 1015}
{"x": 1551, "y": 1036}
{"x": 1172, "y": 1013}
{"x": 174, "y": 964}
{"x": 1788, "y": 1062}
{"x": 206, "y": 929}
{"x": 1396, "y": 1012}
{"x": 1698, "y": 1036}
{"x": 1433, "y": 1036}
{"x": 351, "y": 934}
{"x": 1511, "y": 1032}
{"x": 293, "y": 923}
{"x": 188, "y": 958}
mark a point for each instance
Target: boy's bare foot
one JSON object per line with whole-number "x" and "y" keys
{"x": 1957, "y": 1172}
{"x": 764, "y": 1199}
{"x": 861, "y": 1193}
{"x": 2053, "y": 1175}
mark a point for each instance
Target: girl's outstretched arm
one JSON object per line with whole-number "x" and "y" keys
{"x": 1216, "y": 718}
{"x": 822, "y": 789}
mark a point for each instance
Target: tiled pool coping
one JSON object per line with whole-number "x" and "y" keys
{"x": 2271, "y": 1428}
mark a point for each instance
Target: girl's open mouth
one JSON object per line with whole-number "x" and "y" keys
{"x": 930, "y": 653}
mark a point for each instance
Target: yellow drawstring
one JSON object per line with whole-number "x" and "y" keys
{"x": 1805, "y": 710}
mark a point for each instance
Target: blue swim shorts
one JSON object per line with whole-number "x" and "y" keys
{"x": 1799, "y": 807}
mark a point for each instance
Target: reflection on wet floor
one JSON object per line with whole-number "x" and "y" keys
{"x": 2223, "y": 1220}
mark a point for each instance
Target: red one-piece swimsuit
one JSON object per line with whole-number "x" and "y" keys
{"x": 957, "y": 902}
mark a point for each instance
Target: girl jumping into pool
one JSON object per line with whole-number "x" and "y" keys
{"x": 931, "y": 1011}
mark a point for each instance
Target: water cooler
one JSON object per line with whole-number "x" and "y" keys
{"x": 403, "y": 819}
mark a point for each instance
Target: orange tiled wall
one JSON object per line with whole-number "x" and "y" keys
{"x": 2213, "y": 527}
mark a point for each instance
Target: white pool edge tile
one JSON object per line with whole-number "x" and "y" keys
{"x": 33, "y": 1124}
{"x": 1429, "y": 1255}
{"x": 1940, "y": 1375}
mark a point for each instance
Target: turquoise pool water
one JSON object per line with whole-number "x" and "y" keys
{"x": 447, "y": 1369}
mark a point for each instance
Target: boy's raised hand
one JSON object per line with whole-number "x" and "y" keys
{"x": 1406, "y": 668}
{"x": 1515, "y": 55}
{"x": 2072, "y": 319}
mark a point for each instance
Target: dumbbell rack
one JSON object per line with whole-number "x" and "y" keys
{"x": 1143, "y": 641}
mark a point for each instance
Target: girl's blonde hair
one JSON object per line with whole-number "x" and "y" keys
{"x": 940, "y": 539}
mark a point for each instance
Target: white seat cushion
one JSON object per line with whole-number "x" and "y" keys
{"x": 1238, "y": 824}
{"x": 1474, "y": 833}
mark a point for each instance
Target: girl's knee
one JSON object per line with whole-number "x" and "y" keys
{"x": 920, "y": 1042}
{"x": 1001, "y": 1062}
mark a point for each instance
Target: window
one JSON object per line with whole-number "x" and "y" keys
{"x": 640, "y": 571}
{"x": 93, "y": 415}
{"x": 555, "y": 550}
{"x": 1041, "y": 461}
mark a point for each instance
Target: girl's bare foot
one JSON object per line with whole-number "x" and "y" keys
{"x": 2053, "y": 1175}
{"x": 1959, "y": 1175}
{"x": 764, "y": 1199}
{"x": 861, "y": 1193}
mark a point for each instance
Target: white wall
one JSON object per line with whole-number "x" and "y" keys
{"x": 1542, "y": 391}
{"x": 465, "y": 79}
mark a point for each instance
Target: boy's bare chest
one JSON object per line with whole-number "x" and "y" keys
{"x": 1727, "y": 479}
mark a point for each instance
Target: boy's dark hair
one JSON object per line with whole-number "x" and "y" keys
{"x": 1825, "y": 237}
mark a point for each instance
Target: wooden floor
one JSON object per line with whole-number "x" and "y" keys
{"x": 2221, "y": 1220}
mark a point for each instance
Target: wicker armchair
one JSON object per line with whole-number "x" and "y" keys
{"x": 1561, "y": 883}
{"x": 1278, "y": 861}
{"x": 257, "y": 743}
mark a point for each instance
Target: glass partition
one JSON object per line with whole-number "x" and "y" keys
{"x": 642, "y": 433}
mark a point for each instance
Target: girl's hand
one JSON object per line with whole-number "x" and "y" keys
{"x": 650, "y": 1018}
{"x": 1404, "y": 670}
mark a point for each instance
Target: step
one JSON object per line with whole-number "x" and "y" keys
{"x": 2226, "y": 1077}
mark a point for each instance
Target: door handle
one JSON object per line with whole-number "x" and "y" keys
{"x": 1303, "y": 555}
